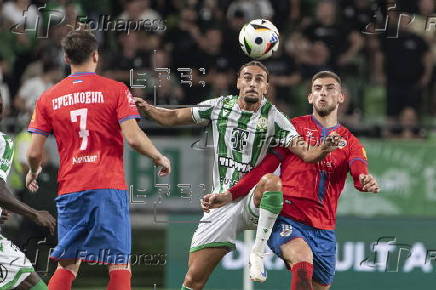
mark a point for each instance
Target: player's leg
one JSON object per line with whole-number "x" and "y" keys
{"x": 32, "y": 282}
{"x": 299, "y": 258}
{"x": 268, "y": 197}
{"x": 200, "y": 266}
{"x": 64, "y": 275}
{"x": 317, "y": 286}
{"x": 119, "y": 277}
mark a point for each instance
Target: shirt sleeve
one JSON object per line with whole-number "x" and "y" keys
{"x": 7, "y": 154}
{"x": 284, "y": 131}
{"x": 126, "y": 108}
{"x": 202, "y": 113}
{"x": 357, "y": 162}
{"x": 268, "y": 165}
{"x": 40, "y": 122}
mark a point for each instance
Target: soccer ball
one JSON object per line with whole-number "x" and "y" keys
{"x": 259, "y": 39}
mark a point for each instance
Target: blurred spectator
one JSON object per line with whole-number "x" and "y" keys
{"x": 356, "y": 14}
{"x": 119, "y": 63}
{"x": 137, "y": 10}
{"x": 4, "y": 87}
{"x": 286, "y": 12}
{"x": 251, "y": 9}
{"x": 407, "y": 127}
{"x": 13, "y": 11}
{"x": 182, "y": 39}
{"x": 284, "y": 74}
{"x": 343, "y": 44}
{"x": 408, "y": 67}
{"x": 32, "y": 88}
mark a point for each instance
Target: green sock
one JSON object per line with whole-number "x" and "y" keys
{"x": 272, "y": 201}
{"x": 185, "y": 288}
{"x": 39, "y": 286}
{"x": 271, "y": 205}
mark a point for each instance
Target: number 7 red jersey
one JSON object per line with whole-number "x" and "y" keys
{"x": 84, "y": 112}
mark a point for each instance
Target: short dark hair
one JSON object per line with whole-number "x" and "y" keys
{"x": 255, "y": 63}
{"x": 79, "y": 45}
{"x": 326, "y": 74}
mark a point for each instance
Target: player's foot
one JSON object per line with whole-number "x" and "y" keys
{"x": 257, "y": 269}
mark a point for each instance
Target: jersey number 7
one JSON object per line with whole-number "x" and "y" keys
{"x": 83, "y": 133}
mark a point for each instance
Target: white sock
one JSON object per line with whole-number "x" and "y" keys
{"x": 264, "y": 229}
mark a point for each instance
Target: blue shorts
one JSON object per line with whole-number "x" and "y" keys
{"x": 321, "y": 242}
{"x": 94, "y": 226}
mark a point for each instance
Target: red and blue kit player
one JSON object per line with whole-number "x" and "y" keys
{"x": 304, "y": 233}
{"x": 88, "y": 116}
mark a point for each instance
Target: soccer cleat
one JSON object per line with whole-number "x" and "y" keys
{"x": 256, "y": 268}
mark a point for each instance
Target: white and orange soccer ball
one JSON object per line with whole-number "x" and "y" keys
{"x": 259, "y": 39}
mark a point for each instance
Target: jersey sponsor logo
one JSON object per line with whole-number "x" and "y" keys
{"x": 238, "y": 166}
{"x": 78, "y": 98}
{"x": 286, "y": 230}
{"x": 239, "y": 139}
{"x": 85, "y": 159}
{"x": 3, "y": 273}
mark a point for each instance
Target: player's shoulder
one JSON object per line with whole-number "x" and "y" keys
{"x": 109, "y": 82}
{"x": 5, "y": 138}
{"x": 301, "y": 120}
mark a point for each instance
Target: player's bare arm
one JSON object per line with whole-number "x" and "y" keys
{"x": 165, "y": 117}
{"x": 9, "y": 202}
{"x": 315, "y": 153}
{"x": 369, "y": 183}
{"x": 139, "y": 141}
{"x": 215, "y": 200}
{"x": 34, "y": 158}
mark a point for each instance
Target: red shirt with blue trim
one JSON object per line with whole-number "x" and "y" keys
{"x": 311, "y": 190}
{"x": 84, "y": 112}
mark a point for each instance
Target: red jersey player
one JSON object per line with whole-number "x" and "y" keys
{"x": 88, "y": 116}
{"x": 304, "y": 234}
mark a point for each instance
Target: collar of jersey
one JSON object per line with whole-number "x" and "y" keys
{"x": 81, "y": 74}
{"x": 324, "y": 128}
{"x": 262, "y": 102}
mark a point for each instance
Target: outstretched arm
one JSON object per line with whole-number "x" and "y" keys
{"x": 11, "y": 203}
{"x": 139, "y": 141}
{"x": 314, "y": 153}
{"x": 165, "y": 117}
{"x": 358, "y": 165}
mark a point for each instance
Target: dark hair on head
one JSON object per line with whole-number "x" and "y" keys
{"x": 255, "y": 63}
{"x": 326, "y": 74}
{"x": 79, "y": 45}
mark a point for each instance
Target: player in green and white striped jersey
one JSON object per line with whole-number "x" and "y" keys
{"x": 244, "y": 127}
{"x": 16, "y": 271}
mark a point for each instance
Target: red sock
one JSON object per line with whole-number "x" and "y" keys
{"x": 302, "y": 276}
{"x": 119, "y": 280}
{"x": 61, "y": 280}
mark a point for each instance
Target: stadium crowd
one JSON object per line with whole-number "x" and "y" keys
{"x": 190, "y": 51}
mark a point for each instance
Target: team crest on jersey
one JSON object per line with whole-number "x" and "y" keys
{"x": 286, "y": 230}
{"x": 239, "y": 139}
{"x": 229, "y": 102}
{"x": 342, "y": 143}
{"x": 262, "y": 123}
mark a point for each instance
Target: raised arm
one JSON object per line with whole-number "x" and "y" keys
{"x": 165, "y": 117}
{"x": 139, "y": 141}
{"x": 315, "y": 153}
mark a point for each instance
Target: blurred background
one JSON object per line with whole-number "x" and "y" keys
{"x": 178, "y": 53}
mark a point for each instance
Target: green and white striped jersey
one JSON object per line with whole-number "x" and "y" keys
{"x": 6, "y": 155}
{"x": 241, "y": 138}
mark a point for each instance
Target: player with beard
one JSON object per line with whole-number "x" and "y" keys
{"x": 304, "y": 233}
{"x": 244, "y": 127}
